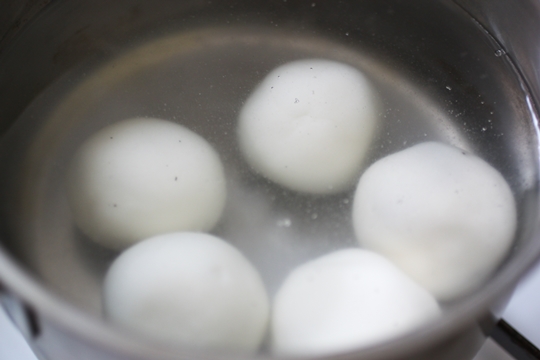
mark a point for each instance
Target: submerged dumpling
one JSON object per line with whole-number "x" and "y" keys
{"x": 190, "y": 289}
{"x": 142, "y": 177}
{"x": 346, "y": 300}
{"x": 308, "y": 125}
{"x": 444, "y": 216}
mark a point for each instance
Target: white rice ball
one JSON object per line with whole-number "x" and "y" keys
{"x": 308, "y": 125}
{"x": 346, "y": 300}
{"x": 445, "y": 217}
{"x": 189, "y": 289}
{"x": 142, "y": 177}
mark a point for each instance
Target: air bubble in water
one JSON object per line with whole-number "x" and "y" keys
{"x": 284, "y": 222}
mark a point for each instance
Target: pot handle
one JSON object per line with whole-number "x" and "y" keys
{"x": 513, "y": 342}
{"x": 21, "y": 314}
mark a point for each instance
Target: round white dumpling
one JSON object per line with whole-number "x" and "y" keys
{"x": 346, "y": 300}
{"x": 142, "y": 177}
{"x": 191, "y": 289}
{"x": 444, "y": 216}
{"x": 308, "y": 125}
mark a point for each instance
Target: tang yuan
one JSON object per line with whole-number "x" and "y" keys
{"x": 308, "y": 125}
{"x": 346, "y": 300}
{"x": 444, "y": 216}
{"x": 191, "y": 289}
{"x": 142, "y": 177}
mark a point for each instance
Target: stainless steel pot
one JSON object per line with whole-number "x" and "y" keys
{"x": 475, "y": 48}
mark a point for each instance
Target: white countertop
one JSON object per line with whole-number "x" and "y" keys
{"x": 12, "y": 344}
{"x": 523, "y": 313}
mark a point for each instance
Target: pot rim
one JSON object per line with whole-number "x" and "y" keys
{"x": 463, "y": 313}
